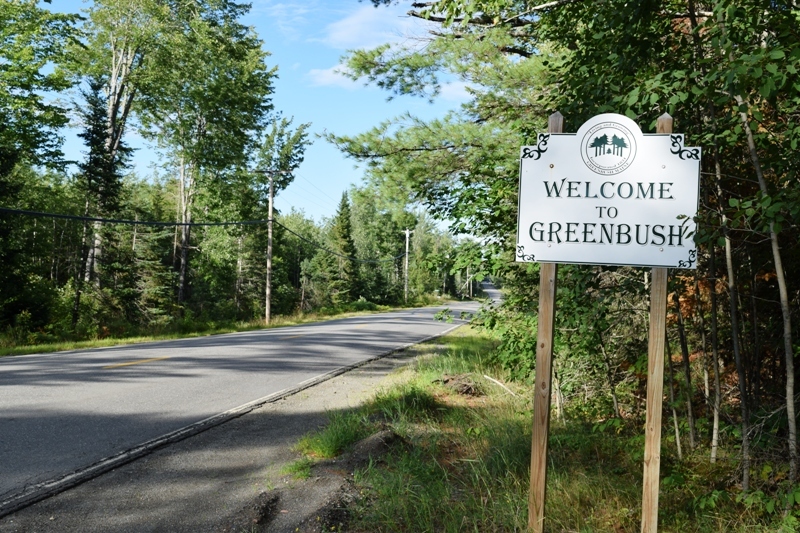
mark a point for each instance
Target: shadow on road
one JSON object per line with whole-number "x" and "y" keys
{"x": 201, "y": 483}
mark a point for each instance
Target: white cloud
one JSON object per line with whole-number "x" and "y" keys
{"x": 332, "y": 77}
{"x": 289, "y": 17}
{"x": 455, "y": 91}
{"x": 368, "y": 27}
{"x": 355, "y": 25}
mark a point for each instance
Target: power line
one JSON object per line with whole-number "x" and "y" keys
{"x": 158, "y": 223}
{"x": 313, "y": 185}
{"x": 395, "y": 258}
{"x": 295, "y": 185}
{"x": 129, "y": 222}
{"x": 300, "y": 196}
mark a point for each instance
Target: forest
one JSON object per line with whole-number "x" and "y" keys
{"x": 91, "y": 249}
{"x": 726, "y": 71}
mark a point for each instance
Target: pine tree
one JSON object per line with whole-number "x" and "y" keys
{"x": 101, "y": 173}
{"x": 342, "y": 239}
{"x": 100, "y": 179}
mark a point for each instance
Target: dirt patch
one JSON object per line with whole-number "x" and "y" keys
{"x": 462, "y": 384}
{"x": 319, "y": 503}
{"x": 259, "y": 512}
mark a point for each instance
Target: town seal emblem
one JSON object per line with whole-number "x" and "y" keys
{"x": 608, "y": 148}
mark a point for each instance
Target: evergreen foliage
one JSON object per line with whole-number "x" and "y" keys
{"x": 100, "y": 174}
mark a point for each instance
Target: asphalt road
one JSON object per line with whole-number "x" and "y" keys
{"x": 61, "y": 413}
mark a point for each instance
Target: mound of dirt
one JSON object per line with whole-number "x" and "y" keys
{"x": 461, "y": 384}
{"x": 319, "y": 503}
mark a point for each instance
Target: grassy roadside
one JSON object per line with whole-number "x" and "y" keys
{"x": 464, "y": 464}
{"x": 8, "y": 347}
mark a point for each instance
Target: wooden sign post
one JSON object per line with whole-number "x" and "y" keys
{"x": 655, "y": 383}
{"x": 607, "y": 195}
{"x": 548, "y": 273}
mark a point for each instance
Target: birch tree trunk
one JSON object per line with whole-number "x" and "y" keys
{"x": 755, "y": 381}
{"x": 784, "y": 299}
{"x": 239, "y": 264}
{"x": 714, "y": 353}
{"x": 672, "y": 398}
{"x": 700, "y": 317}
{"x": 737, "y": 352}
{"x": 186, "y": 197}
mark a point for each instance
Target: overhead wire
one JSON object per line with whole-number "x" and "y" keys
{"x": 355, "y": 259}
{"x": 308, "y": 192}
{"x": 296, "y": 195}
{"x": 161, "y": 223}
{"x": 314, "y": 185}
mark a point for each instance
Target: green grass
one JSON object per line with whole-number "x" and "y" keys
{"x": 466, "y": 463}
{"x": 119, "y": 341}
{"x": 9, "y": 348}
{"x": 408, "y": 402}
{"x": 300, "y": 469}
{"x": 344, "y": 429}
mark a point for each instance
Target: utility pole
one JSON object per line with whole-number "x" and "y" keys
{"x": 405, "y": 291}
{"x": 268, "y": 290}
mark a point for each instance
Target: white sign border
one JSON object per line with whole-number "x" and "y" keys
{"x": 677, "y": 148}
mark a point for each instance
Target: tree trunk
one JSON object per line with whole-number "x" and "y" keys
{"x": 784, "y": 298}
{"x": 93, "y": 255}
{"x": 124, "y": 59}
{"x": 187, "y": 192}
{"x": 712, "y": 119}
{"x": 184, "y": 246}
{"x": 672, "y": 398}
{"x": 714, "y": 353}
{"x": 734, "y": 314}
{"x": 686, "y": 371}
{"x": 755, "y": 373}
{"x": 611, "y": 387}
{"x": 81, "y": 273}
{"x": 711, "y": 114}
{"x": 179, "y": 203}
{"x": 737, "y": 354}
{"x": 700, "y": 316}
{"x": 237, "y": 288}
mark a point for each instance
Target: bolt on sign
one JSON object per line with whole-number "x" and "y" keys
{"x": 608, "y": 195}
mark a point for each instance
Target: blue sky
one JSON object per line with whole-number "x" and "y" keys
{"x": 306, "y": 40}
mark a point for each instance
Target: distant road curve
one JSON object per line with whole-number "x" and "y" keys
{"x": 494, "y": 294}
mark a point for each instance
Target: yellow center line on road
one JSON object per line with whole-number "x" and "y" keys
{"x": 135, "y": 362}
{"x": 292, "y": 337}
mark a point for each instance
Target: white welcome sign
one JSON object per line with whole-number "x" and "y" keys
{"x": 608, "y": 195}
